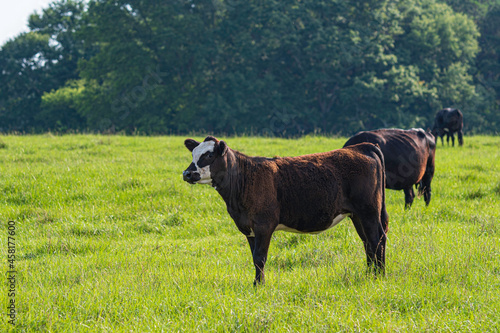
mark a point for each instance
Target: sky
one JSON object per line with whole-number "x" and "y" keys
{"x": 14, "y": 16}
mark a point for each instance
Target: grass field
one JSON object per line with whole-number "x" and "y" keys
{"x": 110, "y": 239}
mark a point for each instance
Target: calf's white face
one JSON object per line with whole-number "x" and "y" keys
{"x": 201, "y": 154}
{"x": 204, "y": 155}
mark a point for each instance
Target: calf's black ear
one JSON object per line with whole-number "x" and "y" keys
{"x": 222, "y": 148}
{"x": 191, "y": 144}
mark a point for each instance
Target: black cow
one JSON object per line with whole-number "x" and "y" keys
{"x": 305, "y": 194}
{"x": 409, "y": 159}
{"x": 448, "y": 121}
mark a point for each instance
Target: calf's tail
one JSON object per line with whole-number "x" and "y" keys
{"x": 384, "y": 217}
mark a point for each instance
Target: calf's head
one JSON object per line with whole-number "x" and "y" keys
{"x": 208, "y": 159}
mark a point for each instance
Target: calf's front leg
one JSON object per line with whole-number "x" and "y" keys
{"x": 259, "y": 245}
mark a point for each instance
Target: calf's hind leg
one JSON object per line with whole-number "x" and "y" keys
{"x": 374, "y": 239}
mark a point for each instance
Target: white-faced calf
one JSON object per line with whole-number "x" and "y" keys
{"x": 306, "y": 194}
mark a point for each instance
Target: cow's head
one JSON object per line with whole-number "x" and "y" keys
{"x": 207, "y": 156}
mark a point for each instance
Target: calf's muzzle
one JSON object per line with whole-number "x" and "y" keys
{"x": 190, "y": 175}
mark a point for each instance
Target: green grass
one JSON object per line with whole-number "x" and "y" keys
{"x": 109, "y": 238}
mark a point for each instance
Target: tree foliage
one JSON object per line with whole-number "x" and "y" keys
{"x": 263, "y": 67}
{"x": 37, "y": 62}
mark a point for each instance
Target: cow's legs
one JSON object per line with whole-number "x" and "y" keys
{"x": 425, "y": 183}
{"x": 374, "y": 239}
{"x": 441, "y": 134}
{"x": 259, "y": 245}
{"x": 427, "y": 191}
{"x": 452, "y": 139}
{"x": 409, "y": 196}
{"x": 460, "y": 135}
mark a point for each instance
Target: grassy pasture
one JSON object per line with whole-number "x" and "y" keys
{"x": 109, "y": 239}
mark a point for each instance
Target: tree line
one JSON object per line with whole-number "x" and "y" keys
{"x": 268, "y": 67}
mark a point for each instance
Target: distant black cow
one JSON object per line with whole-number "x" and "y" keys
{"x": 305, "y": 194}
{"x": 448, "y": 121}
{"x": 409, "y": 159}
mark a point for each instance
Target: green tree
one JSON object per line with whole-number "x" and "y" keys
{"x": 301, "y": 63}
{"x": 267, "y": 67}
{"x": 26, "y": 63}
{"x": 37, "y": 62}
{"x": 488, "y": 71}
{"x": 483, "y": 113}
{"x": 439, "y": 46}
{"x": 148, "y": 72}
